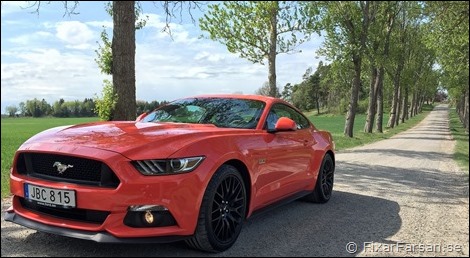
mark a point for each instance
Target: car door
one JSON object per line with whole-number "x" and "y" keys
{"x": 288, "y": 157}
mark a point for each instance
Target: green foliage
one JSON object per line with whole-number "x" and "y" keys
{"x": 362, "y": 106}
{"x": 145, "y": 106}
{"x": 37, "y": 108}
{"x": 74, "y": 108}
{"x": 448, "y": 27}
{"x": 105, "y": 55}
{"x": 11, "y": 110}
{"x": 106, "y": 104}
{"x": 245, "y": 27}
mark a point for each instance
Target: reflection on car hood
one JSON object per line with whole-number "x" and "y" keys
{"x": 128, "y": 138}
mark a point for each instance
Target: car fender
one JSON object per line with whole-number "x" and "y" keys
{"x": 216, "y": 154}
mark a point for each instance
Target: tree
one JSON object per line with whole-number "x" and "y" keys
{"x": 287, "y": 92}
{"x": 265, "y": 90}
{"x": 37, "y": 108}
{"x": 259, "y": 30}
{"x": 377, "y": 55}
{"x": 11, "y": 110}
{"x": 22, "y": 107}
{"x": 346, "y": 25}
{"x": 448, "y": 35}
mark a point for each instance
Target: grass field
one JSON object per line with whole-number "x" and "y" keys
{"x": 461, "y": 151}
{"x": 15, "y": 131}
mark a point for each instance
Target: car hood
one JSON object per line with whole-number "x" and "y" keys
{"x": 128, "y": 138}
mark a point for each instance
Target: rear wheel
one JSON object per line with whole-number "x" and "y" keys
{"x": 324, "y": 186}
{"x": 222, "y": 212}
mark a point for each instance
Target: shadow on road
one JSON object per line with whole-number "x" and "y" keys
{"x": 429, "y": 155}
{"x": 296, "y": 229}
{"x": 386, "y": 181}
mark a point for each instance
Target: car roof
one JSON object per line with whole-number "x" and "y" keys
{"x": 237, "y": 96}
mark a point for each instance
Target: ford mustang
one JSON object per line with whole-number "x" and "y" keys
{"x": 194, "y": 169}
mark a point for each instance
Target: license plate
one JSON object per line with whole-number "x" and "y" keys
{"x": 49, "y": 196}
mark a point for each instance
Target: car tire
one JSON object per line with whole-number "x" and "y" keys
{"x": 324, "y": 185}
{"x": 222, "y": 212}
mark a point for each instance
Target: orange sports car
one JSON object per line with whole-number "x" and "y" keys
{"x": 191, "y": 170}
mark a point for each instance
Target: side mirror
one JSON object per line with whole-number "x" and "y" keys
{"x": 141, "y": 116}
{"x": 285, "y": 124}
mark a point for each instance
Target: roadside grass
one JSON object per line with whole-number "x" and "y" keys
{"x": 15, "y": 131}
{"x": 335, "y": 125}
{"x": 461, "y": 151}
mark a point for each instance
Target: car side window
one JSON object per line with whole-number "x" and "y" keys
{"x": 281, "y": 110}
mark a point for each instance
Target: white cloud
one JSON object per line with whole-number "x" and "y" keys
{"x": 74, "y": 32}
{"x": 30, "y": 38}
{"x": 204, "y": 56}
{"x": 49, "y": 74}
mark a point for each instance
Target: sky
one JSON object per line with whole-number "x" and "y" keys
{"x": 50, "y": 55}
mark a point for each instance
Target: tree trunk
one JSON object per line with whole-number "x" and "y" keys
{"x": 318, "y": 103}
{"x": 420, "y": 104}
{"x": 393, "y": 111}
{"x": 272, "y": 53}
{"x": 380, "y": 101}
{"x": 400, "y": 102}
{"x": 404, "y": 116}
{"x": 123, "y": 50}
{"x": 412, "y": 106}
{"x": 372, "y": 101}
{"x": 351, "y": 115}
{"x": 418, "y": 97}
{"x": 466, "y": 106}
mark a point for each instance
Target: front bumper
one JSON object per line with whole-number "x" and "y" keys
{"x": 181, "y": 194}
{"x": 102, "y": 237}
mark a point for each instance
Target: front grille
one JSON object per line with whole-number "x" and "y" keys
{"x": 82, "y": 215}
{"x": 66, "y": 169}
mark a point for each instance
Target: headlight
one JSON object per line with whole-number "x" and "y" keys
{"x": 152, "y": 167}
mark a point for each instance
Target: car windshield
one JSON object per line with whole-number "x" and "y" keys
{"x": 221, "y": 112}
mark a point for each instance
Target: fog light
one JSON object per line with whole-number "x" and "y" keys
{"x": 148, "y": 217}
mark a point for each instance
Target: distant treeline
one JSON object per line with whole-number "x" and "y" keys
{"x": 62, "y": 108}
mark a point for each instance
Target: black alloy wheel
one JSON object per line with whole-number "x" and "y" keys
{"x": 222, "y": 212}
{"x": 324, "y": 185}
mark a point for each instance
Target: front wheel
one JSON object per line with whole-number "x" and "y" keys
{"x": 222, "y": 212}
{"x": 324, "y": 186}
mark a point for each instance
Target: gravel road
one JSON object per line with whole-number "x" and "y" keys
{"x": 399, "y": 197}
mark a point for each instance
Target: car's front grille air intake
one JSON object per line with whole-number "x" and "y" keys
{"x": 66, "y": 169}
{"x": 82, "y": 215}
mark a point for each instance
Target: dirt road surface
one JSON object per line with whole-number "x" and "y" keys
{"x": 399, "y": 197}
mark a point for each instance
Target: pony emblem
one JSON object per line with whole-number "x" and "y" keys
{"x": 61, "y": 167}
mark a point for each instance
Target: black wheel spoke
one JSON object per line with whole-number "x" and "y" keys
{"x": 327, "y": 178}
{"x": 228, "y": 208}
